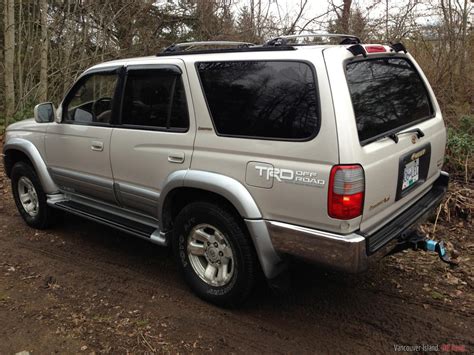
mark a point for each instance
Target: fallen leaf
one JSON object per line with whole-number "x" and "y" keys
{"x": 436, "y": 295}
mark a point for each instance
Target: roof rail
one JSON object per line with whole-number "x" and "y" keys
{"x": 186, "y": 46}
{"x": 231, "y": 47}
{"x": 283, "y": 40}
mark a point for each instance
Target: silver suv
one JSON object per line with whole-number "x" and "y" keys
{"x": 240, "y": 157}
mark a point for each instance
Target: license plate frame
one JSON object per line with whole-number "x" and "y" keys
{"x": 413, "y": 170}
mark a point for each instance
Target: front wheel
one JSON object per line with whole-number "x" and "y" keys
{"x": 30, "y": 199}
{"x": 214, "y": 253}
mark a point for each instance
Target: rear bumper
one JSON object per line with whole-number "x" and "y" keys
{"x": 352, "y": 252}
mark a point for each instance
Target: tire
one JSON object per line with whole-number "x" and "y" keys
{"x": 35, "y": 211}
{"x": 228, "y": 238}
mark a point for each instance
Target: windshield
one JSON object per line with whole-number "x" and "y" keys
{"x": 387, "y": 93}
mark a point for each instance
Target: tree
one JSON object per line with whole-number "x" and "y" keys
{"x": 355, "y": 24}
{"x": 245, "y": 26}
{"x": 43, "y": 84}
{"x": 47, "y": 44}
{"x": 211, "y": 19}
{"x": 9, "y": 58}
{"x": 343, "y": 14}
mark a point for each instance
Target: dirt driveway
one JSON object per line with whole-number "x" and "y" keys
{"x": 84, "y": 288}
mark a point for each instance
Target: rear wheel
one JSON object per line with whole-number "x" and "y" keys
{"x": 29, "y": 196}
{"x": 214, "y": 253}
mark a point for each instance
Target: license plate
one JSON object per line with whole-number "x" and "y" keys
{"x": 411, "y": 174}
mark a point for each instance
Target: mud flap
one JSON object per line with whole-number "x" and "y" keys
{"x": 415, "y": 241}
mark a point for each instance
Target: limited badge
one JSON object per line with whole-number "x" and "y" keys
{"x": 417, "y": 155}
{"x": 413, "y": 138}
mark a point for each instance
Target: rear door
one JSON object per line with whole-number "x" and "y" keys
{"x": 389, "y": 122}
{"x": 155, "y": 134}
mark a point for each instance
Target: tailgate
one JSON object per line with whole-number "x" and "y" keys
{"x": 389, "y": 122}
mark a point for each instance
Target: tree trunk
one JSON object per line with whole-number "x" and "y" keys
{"x": 9, "y": 59}
{"x": 346, "y": 14}
{"x": 43, "y": 87}
{"x": 19, "y": 56}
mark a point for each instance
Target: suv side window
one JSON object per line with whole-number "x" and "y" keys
{"x": 266, "y": 99}
{"x": 155, "y": 98}
{"x": 91, "y": 101}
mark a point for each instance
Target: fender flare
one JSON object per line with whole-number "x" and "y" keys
{"x": 241, "y": 199}
{"x": 30, "y": 150}
{"x": 222, "y": 185}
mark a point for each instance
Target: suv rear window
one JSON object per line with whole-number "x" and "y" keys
{"x": 387, "y": 94}
{"x": 265, "y": 99}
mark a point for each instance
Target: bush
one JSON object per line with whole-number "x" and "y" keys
{"x": 460, "y": 148}
{"x": 20, "y": 115}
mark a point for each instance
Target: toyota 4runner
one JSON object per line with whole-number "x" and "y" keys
{"x": 241, "y": 156}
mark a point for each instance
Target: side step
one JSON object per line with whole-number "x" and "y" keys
{"x": 151, "y": 233}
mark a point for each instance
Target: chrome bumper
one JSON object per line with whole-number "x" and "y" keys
{"x": 352, "y": 252}
{"x": 346, "y": 253}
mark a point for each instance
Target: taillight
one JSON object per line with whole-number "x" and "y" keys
{"x": 374, "y": 49}
{"x": 346, "y": 191}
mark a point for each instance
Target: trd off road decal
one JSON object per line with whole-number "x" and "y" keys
{"x": 300, "y": 177}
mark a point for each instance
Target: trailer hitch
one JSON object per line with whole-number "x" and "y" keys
{"x": 416, "y": 241}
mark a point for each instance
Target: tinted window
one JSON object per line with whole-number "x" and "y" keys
{"x": 261, "y": 99}
{"x": 386, "y": 94}
{"x": 154, "y": 98}
{"x": 92, "y": 100}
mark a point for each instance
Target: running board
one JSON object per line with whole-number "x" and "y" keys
{"x": 142, "y": 230}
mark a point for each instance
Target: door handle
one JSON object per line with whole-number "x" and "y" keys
{"x": 176, "y": 157}
{"x": 97, "y": 146}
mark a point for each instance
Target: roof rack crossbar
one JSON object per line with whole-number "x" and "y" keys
{"x": 283, "y": 40}
{"x": 186, "y": 46}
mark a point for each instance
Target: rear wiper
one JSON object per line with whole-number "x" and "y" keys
{"x": 394, "y": 136}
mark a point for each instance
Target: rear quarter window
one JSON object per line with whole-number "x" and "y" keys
{"x": 387, "y": 94}
{"x": 261, "y": 99}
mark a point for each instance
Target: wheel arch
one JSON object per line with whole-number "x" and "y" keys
{"x": 17, "y": 149}
{"x": 13, "y": 156}
{"x": 185, "y": 186}
{"x": 188, "y": 185}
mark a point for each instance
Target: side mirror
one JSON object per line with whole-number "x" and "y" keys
{"x": 44, "y": 112}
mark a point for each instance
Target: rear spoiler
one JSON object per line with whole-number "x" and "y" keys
{"x": 358, "y": 49}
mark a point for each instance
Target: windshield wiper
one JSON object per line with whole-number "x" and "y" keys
{"x": 394, "y": 136}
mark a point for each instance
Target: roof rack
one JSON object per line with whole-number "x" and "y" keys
{"x": 283, "y": 40}
{"x": 186, "y": 46}
{"x": 276, "y": 44}
{"x": 230, "y": 47}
